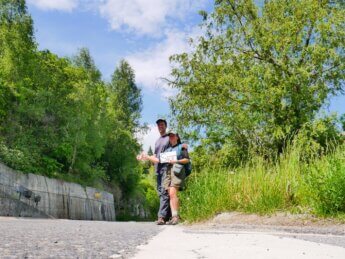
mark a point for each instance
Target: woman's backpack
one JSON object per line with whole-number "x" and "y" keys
{"x": 188, "y": 166}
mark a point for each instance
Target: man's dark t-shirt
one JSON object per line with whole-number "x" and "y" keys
{"x": 160, "y": 146}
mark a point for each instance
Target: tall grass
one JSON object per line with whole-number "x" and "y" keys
{"x": 290, "y": 184}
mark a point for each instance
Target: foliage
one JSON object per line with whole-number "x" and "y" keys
{"x": 319, "y": 137}
{"x": 342, "y": 121}
{"x": 85, "y": 61}
{"x": 259, "y": 186}
{"x": 150, "y": 152}
{"x": 124, "y": 108}
{"x": 148, "y": 184}
{"x": 58, "y": 117}
{"x": 127, "y": 95}
{"x": 250, "y": 94}
{"x": 143, "y": 204}
{"x": 265, "y": 72}
{"x": 327, "y": 178}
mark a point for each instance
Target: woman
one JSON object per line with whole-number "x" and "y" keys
{"x": 174, "y": 178}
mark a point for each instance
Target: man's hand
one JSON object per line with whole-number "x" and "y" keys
{"x": 142, "y": 157}
{"x": 185, "y": 146}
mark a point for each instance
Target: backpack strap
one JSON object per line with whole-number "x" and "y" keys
{"x": 179, "y": 151}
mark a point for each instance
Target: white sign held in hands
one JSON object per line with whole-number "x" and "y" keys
{"x": 167, "y": 156}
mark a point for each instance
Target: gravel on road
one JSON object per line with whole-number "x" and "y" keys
{"x": 42, "y": 238}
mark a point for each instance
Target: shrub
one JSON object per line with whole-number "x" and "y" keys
{"x": 327, "y": 180}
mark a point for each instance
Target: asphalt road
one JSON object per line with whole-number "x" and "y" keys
{"x": 41, "y": 238}
{"x": 229, "y": 243}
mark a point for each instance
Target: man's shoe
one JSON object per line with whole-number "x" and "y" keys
{"x": 160, "y": 221}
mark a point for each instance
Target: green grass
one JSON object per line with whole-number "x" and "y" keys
{"x": 291, "y": 184}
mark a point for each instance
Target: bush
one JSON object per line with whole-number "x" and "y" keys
{"x": 18, "y": 159}
{"x": 327, "y": 179}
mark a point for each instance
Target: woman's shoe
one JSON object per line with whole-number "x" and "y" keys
{"x": 174, "y": 221}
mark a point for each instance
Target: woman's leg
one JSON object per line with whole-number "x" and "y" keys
{"x": 174, "y": 202}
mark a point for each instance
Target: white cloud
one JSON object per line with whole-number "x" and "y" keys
{"x": 153, "y": 64}
{"x": 143, "y": 17}
{"x": 62, "y": 5}
{"x": 146, "y": 16}
{"x": 148, "y": 138}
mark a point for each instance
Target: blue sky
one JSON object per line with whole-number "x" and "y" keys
{"x": 145, "y": 32}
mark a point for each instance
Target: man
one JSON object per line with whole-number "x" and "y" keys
{"x": 161, "y": 145}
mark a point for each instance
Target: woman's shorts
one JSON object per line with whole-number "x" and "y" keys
{"x": 173, "y": 179}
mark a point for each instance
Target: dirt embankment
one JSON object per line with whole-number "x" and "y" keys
{"x": 278, "y": 222}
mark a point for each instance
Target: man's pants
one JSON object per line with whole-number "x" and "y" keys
{"x": 164, "y": 201}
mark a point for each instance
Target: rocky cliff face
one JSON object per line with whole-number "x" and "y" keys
{"x": 29, "y": 195}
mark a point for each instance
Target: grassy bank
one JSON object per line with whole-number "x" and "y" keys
{"x": 290, "y": 184}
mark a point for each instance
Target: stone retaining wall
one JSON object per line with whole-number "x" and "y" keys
{"x": 30, "y": 195}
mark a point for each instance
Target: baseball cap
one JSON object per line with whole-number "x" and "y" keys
{"x": 161, "y": 120}
{"x": 172, "y": 131}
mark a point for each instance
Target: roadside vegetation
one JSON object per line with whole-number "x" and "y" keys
{"x": 251, "y": 95}
{"x": 60, "y": 118}
{"x": 289, "y": 184}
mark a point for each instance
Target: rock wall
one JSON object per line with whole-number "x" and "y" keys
{"x": 30, "y": 195}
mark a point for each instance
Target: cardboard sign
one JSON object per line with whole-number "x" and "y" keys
{"x": 167, "y": 156}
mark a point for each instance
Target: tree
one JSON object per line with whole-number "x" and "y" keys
{"x": 128, "y": 95}
{"x": 123, "y": 113}
{"x": 342, "y": 121}
{"x": 259, "y": 73}
{"x": 84, "y": 60}
{"x": 94, "y": 95}
{"x": 17, "y": 53}
{"x": 150, "y": 152}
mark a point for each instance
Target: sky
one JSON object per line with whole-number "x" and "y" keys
{"x": 144, "y": 32}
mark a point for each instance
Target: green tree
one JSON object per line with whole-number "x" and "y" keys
{"x": 259, "y": 73}
{"x": 84, "y": 60}
{"x": 93, "y": 96}
{"x": 128, "y": 95}
{"x": 342, "y": 121}
{"x": 17, "y": 53}
{"x": 150, "y": 152}
{"x": 124, "y": 107}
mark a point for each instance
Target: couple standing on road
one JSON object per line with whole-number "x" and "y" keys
{"x": 170, "y": 175}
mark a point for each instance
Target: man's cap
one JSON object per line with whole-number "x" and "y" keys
{"x": 161, "y": 120}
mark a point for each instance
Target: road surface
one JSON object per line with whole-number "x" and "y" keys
{"x": 41, "y": 238}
